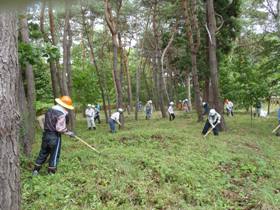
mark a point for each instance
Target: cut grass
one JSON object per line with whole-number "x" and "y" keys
{"x": 158, "y": 164}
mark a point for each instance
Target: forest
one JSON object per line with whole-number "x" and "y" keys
{"x": 182, "y": 58}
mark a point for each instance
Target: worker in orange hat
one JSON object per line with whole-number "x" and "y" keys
{"x": 56, "y": 119}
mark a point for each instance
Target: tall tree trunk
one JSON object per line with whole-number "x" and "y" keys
{"x": 24, "y": 137}
{"x": 55, "y": 64}
{"x": 156, "y": 66}
{"x": 193, "y": 31}
{"x": 66, "y": 76}
{"x": 189, "y": 94}
{"x": 53, "y": 70}
{"x": 113, "y": 29}
{"x": 138, "y": 84}
{"x": 9, "y": 115}
{"x": 94, "y": 62}
{"x": 31, "y": 94}
{"x": 211, "y": 23}
{"x": 127, "y": 73}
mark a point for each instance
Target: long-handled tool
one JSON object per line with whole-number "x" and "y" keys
{"x": 276, "y": 129}
{"x": 209, "y": 131}
{"x": 91, "y": 147}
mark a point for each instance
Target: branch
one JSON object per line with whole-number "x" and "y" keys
{"x": 209, "y": 34}
{"x": 218, "y": 28}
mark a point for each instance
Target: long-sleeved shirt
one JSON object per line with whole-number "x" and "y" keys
{"x": 148, "y": 108}
{"x": 170, "y": 110}
{"x": 116, "y": 117}
{"x": 55, "y": 119}
{"x": 229, "y": 105}
{"x": 214, "y": 119}
{"x": 90, "y": 112}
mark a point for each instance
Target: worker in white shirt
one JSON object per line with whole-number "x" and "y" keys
{"x": 214, "y": 118}
{"x": 229, "y": 108}
{"x": 90, "y": 113}
{"x": 115, "y": 118}
{"x": 170, "y": 111}
{"x": 149, "y": 109}
{"x": 186, "y": 105}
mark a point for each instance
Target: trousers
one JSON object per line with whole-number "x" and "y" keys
{"x": 207, "y": 126}
{"x": 50, "y": 147}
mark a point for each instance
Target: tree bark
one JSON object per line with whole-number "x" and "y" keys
{"x": 189, "y": 94}
{"x": 23, "y": 137}
{"x": 113, "y": 29}
{"x": 9, "y": 115}
{"x": 156, "y": 60}
{"x": 192, "y": 31}
{"x": 213, "y": 63}
{"x": 55, "y": 65}
{"x": 66, "y": 75}
{"x": 53, "y": 69}
{"x": 30, "y": 90}
{"x": 94, "y": 62}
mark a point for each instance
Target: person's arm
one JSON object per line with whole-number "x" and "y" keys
{"x": 61, "y": 126}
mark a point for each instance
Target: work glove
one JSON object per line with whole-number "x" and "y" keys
{"x": 70, "y": 133}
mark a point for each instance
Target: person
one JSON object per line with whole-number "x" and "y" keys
{"x": 170, "y": 111}
{"x": 258, "y": 107}
{"x": 214, "y": 118}
{"x": 55, "y": 123}
{"x": 206, "y": 108}
{"x": 229, "y": 108}
{"x": 149, "y": 109}
{"x": 90, "y": 113}
{"x": 115, "y": 118}
{"x": 97, "y": 112}
{"x": 186, "y": 105}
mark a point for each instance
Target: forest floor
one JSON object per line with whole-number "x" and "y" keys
{"x": 158, "y": 164}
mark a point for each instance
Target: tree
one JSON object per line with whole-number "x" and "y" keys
{"x": 111, "y": 22}
{"x": 193, "y": 36}
{"x": 9, "y": 115}
{"x": 89, "y": 38}
{"x": 213, "y": 63}
{"x": 53, "y": 66}
{"x": 30, "y": 91}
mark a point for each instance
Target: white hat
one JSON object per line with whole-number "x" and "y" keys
{"x": 171, "y": 103}
{"x": 120, "y": 110}
{"x": 212, "y": 112}
{"x": 92, "y": 106}
{"x": 203, "y": 103}
{"x": 150, "y": 102}
{"x": 89, "y": 105}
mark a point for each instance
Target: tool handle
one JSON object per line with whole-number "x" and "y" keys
{"x": 91, "y": 147}
{"x": 276, "y": 129}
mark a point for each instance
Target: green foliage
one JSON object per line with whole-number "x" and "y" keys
{"x": 42, "y": 82}
{"x": 161, "y": 165}
{"x": 28, "y": 53}
{"x": 50, "y": 52}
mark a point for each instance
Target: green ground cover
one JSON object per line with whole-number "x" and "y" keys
{"x": 159, "y": 164}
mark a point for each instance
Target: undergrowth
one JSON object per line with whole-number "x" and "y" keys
{"x": 158, "y": 164}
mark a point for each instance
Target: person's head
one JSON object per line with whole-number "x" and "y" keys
{"x": 212, "y": 112}
{"x": 120, "y": 110}
{"x": 171, "y": 103}
{"x": 92, "y": 106}
{"x": 150, "y": 102}
{"x": 203, "y": 103}
{"x": 65, "y": 102}
{"x": 89, "y": 105}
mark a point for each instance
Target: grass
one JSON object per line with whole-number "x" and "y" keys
{"x": 159, "y": 164}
